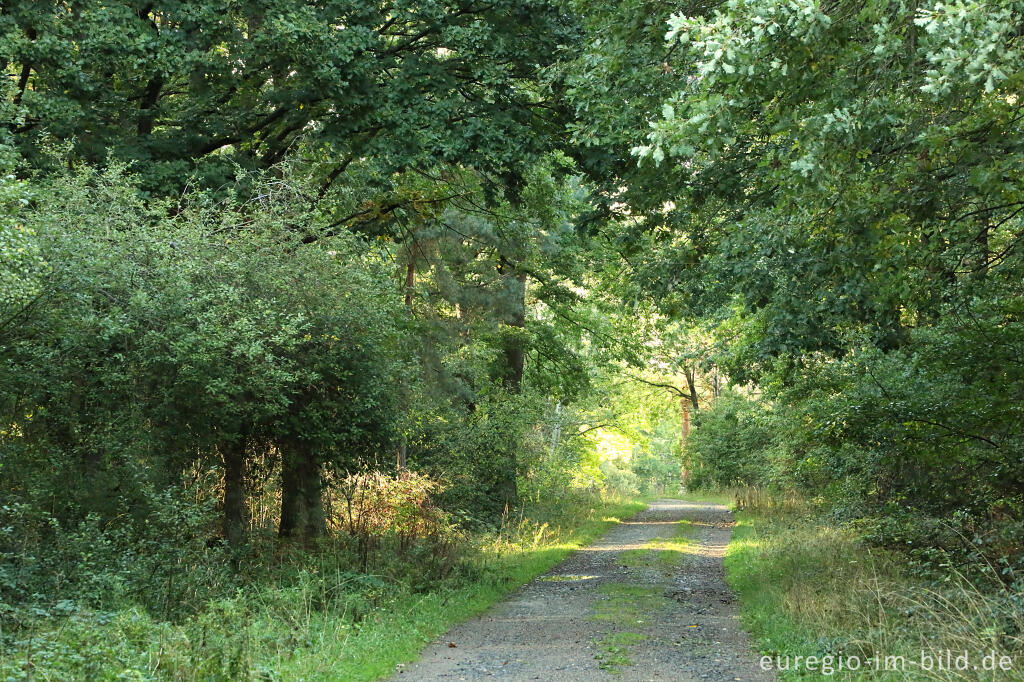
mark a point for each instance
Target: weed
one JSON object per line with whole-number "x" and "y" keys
{"x": 613, "y": 654}
{"x": 627, "y": 603}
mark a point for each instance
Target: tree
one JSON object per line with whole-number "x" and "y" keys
{"x": 836, "y": 205}
{"x": 476, "y": 270}
{"x": 22, "y": 267}
{"x": 174, "y": 87}
{"x": 162, "y": 343}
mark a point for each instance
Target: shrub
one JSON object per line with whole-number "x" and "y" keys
{"x": 731, "y": 445}
{"x": 385, "y": 513}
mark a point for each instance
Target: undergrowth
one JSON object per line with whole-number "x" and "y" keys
{"x": 307, "y": 612}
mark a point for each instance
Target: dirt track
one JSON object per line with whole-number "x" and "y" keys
{"x": 620, "y": 609}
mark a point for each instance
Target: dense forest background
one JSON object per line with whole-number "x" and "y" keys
{"x": 291, "y": 289}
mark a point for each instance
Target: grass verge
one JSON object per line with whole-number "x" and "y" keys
{"x": 810, "y": 589}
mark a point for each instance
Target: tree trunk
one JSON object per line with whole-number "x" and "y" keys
{"x": 302, "y": 510}
{"x": 410, "y": 279}
{"x": 410, "y": 282}
{"x": 147, "y": 106}
{"x": 684, "y": 474}
{"x": 691, "y": 384}
{"x": 236, "y": 512}
{"x": 506, "y": 490}
{"x": 556, "y": 430}
{"x": 688, "y": 402}
{"x": 514, "y": 351}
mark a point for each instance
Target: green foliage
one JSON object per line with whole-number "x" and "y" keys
{"x": 252, "y": 254}
{"x": 173, "y": 87}
{"x": 156, "y": 345}
{"x": 841, "y": 209}
{"x": 249, "y": 257}
{"x": 731, "y": 445}
{"x": 172, "y": 341}
{"x": 835, "y": 203}
{"x": 471, "y": 453}
{"x": 22, "y": 267}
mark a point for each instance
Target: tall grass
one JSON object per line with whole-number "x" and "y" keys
{"x": 811, "y": 588}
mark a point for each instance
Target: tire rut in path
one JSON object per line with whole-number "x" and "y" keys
{"x": 609, "y": 612}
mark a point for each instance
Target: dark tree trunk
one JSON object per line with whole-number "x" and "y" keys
{"x": 690, "y": 401}
{"x": 147, "y": 106}
{"x": 26, "y": 72}
{"x": 514, "y": 352}
{"x": 410, "y": 285}
{"x": 302, "y": 510}
{"x": 691, "y": 385}
{"x": 984, "y": 250}
{"x": 506, "y": 489}
{"x": 236, "y": 512}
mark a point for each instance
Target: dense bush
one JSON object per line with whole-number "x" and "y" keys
{"x": 159, "y": 345}
{"x": 730, "y": 445}
{"x": 921, "y": 445}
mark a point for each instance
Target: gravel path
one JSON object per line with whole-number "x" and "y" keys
{"x": 633, "y": 606}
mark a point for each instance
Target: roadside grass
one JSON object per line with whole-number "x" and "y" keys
{"x": 318, "y": 622}
{"x": 811, "y": 589}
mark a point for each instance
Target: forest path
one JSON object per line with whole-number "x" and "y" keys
{"x": 646, "y": 602}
